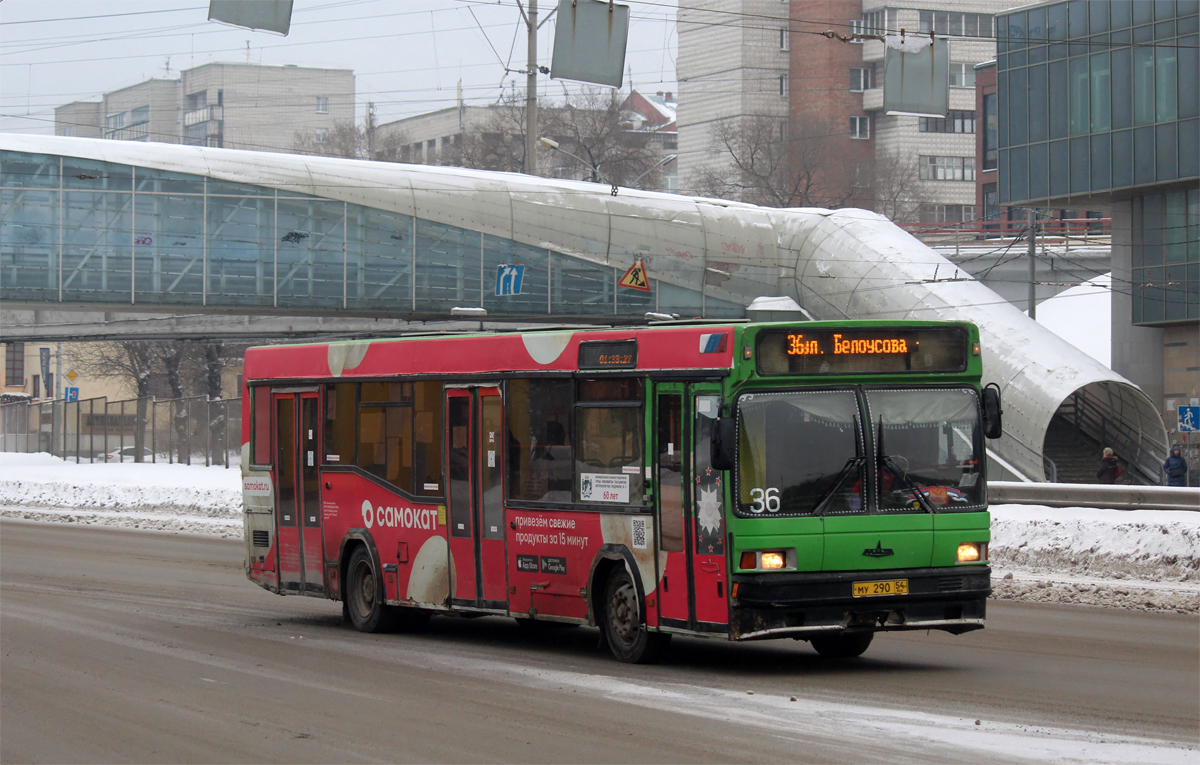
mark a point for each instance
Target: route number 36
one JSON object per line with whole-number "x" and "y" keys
{"x": 765, "y": 499}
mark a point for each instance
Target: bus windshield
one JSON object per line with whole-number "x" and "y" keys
{"x": 799, "y": 453}
{"x": 928, "y": 448}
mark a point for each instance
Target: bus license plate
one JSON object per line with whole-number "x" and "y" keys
{"x": 889, "y": 587}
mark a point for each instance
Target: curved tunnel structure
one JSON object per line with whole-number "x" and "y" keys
{"x": 707, "y": 258}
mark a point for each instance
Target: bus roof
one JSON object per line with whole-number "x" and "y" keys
{"x": 672, "y": 346}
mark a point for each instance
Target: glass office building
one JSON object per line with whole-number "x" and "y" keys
{"x": 1100, "y": 101}
{"x": 1099, "y": 107}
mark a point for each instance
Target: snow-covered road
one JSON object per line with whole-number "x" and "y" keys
{"x": 1144, "y": 559}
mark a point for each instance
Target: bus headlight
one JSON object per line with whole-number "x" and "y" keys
{"x": 970, "y": 552}
{"x": 767, "y": 560}
{"x": 772, "y": 561}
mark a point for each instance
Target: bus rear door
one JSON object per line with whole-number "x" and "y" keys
{"x": 474, "y": 420}
{"x": 298, "y": 501}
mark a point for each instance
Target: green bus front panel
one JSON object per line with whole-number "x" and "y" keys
{"x": 874, "y": 542}
{"x": 817, "y": 593}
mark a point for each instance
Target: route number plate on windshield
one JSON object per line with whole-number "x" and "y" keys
{"x": 872, "y": 589}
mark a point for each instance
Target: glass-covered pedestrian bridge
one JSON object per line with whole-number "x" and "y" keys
{"x": 150, "y": 226}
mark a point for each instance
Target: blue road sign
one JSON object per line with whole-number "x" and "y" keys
{"x": 508, "y": 279}
{"x": 72, "y": 394}
{"x": 1189, "y": 419}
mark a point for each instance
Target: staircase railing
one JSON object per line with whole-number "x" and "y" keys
{"x": 1050, "y": 468}
{"x": 1090, "y": 419}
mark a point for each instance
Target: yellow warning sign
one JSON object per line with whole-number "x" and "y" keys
{"x": 72, "y": 375}
{"x": 635, "y": 278}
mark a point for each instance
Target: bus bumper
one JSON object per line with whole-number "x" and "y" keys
{"x": 805, "y": 605}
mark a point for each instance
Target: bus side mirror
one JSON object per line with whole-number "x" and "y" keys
{"x": 992, "y": 425}
{"x": 722, "y": 443}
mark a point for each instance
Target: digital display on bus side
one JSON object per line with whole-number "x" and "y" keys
{"x": 616, "y": 354}
{"x": 831, "y": 351}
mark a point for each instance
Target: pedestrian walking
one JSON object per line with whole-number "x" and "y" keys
{"x": 1110, "y": 467}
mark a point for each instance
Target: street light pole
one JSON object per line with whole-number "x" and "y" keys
{"x": 550, "y": 143}
{"x": 1032, "y": 263}
{"x": 531, "y": 129}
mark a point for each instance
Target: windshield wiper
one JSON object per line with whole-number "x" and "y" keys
{"x": 851, "y": 464}
{"x": 885, "y": 461}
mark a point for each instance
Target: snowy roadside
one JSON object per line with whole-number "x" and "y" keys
{"x": 1143, "y": 559}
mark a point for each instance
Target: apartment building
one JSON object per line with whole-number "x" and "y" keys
{"x": 762, "y": 58}
{"x": 229, "y": 105}
{"x": 492, "y": 137}
{"x": 733, "y": 67}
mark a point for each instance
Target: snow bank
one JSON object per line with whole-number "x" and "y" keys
{"x": 1145, "y": 559}
{"x": 187, "y": 498}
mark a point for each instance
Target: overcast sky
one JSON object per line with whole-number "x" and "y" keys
{"x": 407, "y": 55}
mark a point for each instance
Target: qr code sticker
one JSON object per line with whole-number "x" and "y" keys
{"x": 639, "y": 533}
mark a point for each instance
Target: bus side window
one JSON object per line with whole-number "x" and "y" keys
{"x": 540, "y": 452}
{"x": 262, "y": 425}
{"x": 610, "y": 424}
{"x": 426, "y": 454}
{"x": 339, "y": 424}
{"x": 385, "y": 432}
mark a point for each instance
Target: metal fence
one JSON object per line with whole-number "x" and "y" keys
{"x": 192, "y": 431}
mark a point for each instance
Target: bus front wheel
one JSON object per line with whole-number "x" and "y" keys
{"x": 624, "y": 625}
{"x": 843, "y": 646}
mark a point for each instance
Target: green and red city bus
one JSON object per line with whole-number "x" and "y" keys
{"x": 819, "y": 481}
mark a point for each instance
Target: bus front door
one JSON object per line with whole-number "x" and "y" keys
{"x": 474, "y": 420}
{"x": 298, "y": 500}
{"x": 692, "y": 582}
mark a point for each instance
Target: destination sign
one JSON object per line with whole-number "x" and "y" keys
{"x": 615, "y": 354}
{"x": 832, "y": 351}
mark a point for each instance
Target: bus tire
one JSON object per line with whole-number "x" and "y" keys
{"x": 624, "y": 625}
{"x": 843, "y": 646}
{"x": 364, "y": 600}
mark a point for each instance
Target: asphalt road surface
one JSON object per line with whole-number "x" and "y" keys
{"x": 126, "y": 646}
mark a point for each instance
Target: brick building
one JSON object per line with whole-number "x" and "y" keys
{"x": 773, "y": 62}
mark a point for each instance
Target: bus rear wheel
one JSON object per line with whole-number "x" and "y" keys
{"x": 843, "y": 646}
{"x": 364, "y": 596}
{"x": 624, "y": 625}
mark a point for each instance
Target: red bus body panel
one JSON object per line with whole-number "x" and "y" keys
{"x": 543, "y": 564}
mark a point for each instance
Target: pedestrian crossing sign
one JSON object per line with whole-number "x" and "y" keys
{"x": 1189, "y": 419}
{"x": 635, "y": 278}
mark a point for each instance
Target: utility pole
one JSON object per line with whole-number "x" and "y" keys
{"x": 1032, "y": 218}
{"x": 531, "y": 135}
{"x": 370, "y": 129}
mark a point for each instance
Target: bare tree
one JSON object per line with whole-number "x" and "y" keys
{"x": 762, "y": 160}
{"x": 894, "y": 187}
{"x": 589, "y": 124}
{"x": 497, "y": 142}
{"x": 132, "y": 361}
{"x": 345, "y": 139}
